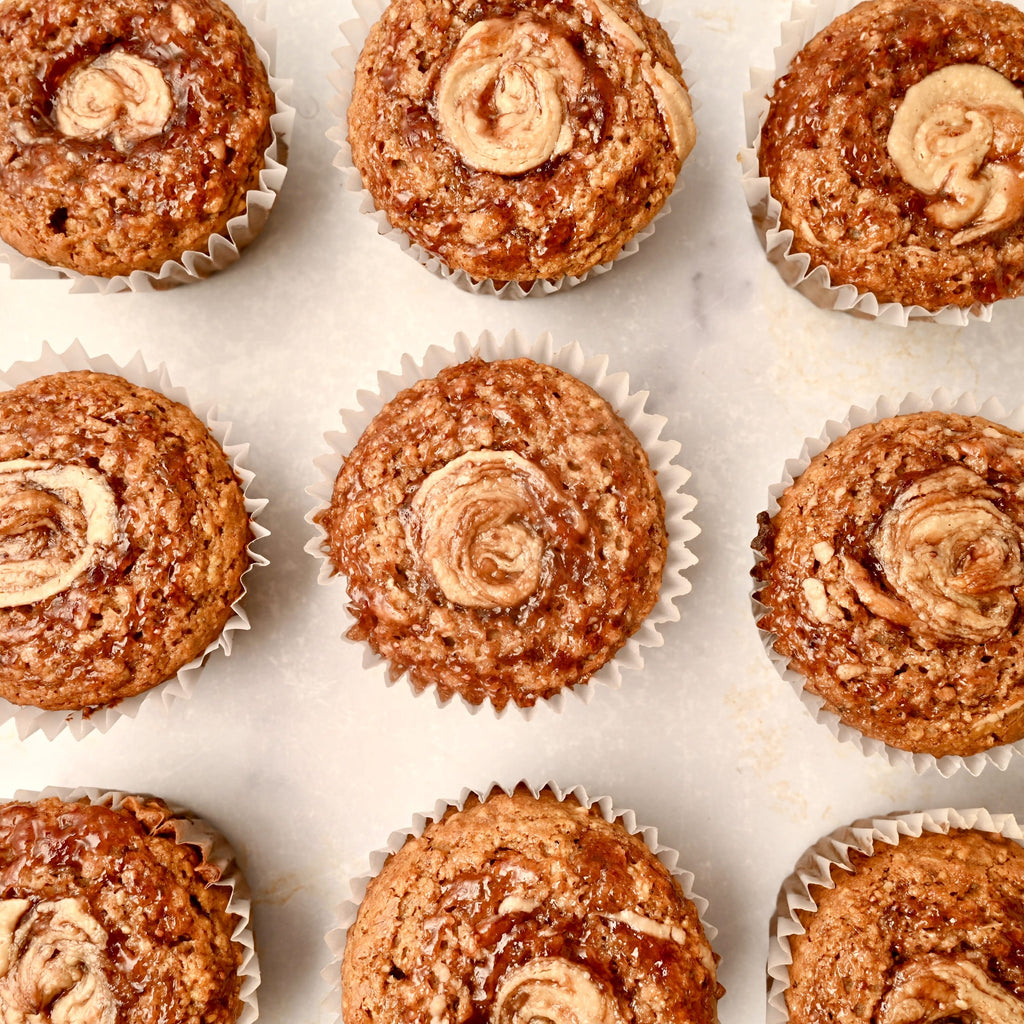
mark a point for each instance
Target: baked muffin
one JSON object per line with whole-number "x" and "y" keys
{"x": 107, "y": 917}
{"x": 501, "y": 529}
{"x": 929, "y": 929}
{"x": 130, "y": 131}
{"x": 519, "y": 141}
{"x": 123, "y": 535}
{"x": 522, "y": 908}
{"x": 895, "y": 146}
{"x": 893, "y": 581}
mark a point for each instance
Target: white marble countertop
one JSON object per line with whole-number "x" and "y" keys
{"x": 306, "y": 760}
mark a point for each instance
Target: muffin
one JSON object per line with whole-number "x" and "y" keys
{"x": 892, "y": 580}
{"x": 108, "y": 916}
{"x": 519, "y": 142}
{"x": 131, "y": 131}
{"x": 502, "y": 532}
{"x": 928, "y": 929}
{"x": 895, "y": 147}
{"x": 123, "y": 534}
{"x": 520, "y": 908}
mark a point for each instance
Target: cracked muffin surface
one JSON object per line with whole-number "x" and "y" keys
{"x": 123, "y": 536}
{"x": 895, "y": 146}
{"x": 129, "y": 132}
{"x": 519, "y": 140}
{"x": 929, "y": 929}
{"x": 106, "y": 918}
{"x": 501, "y": 529}
{"x": 893, "y": 581}
{"x": 522, "y": 908}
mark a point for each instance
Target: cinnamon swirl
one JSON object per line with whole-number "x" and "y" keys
{"x": 520, "y": 909}
{"x": 130, "y": 131}
{"x": 519, "y": 141}
{"x": 123, "y": 536}
{"x": 893, "y": 578}
{"x": 502, "y": 532}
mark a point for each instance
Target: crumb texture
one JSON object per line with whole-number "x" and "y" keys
{"x": 930, "y": 929}
{"x": 106, "y": 919}
{"x": 129, "y": 132}
{"x": 123, "y": 535}
{"x": 501, "y": 530}
{"x": 519, "y": 141}
{"x": 519, "y": 909}
{"x": 894, "y": 581}
{"x": 947, "y": 230}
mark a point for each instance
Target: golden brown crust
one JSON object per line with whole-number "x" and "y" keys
{"x": 611, "y": 167}
{"x": 824, "y": 148}
{"x": 913, "y": 924}
{"x": 157, "y": 587}
{"x": 108, "y": 203}
{"x": 105, "y": 912}
{"x": 488, "y": 473}
{"x": 519, "y": 889}
{"x": 894, "y": 582}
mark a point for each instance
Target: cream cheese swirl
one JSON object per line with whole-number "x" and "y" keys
{"x": 55, "y": 521}
{"x": 482, "y": 524}
{"x": 555, "y": 991}
{"x": 53, "y": 964}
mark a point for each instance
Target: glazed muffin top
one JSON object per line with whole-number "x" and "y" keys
{"x": 895, "y": 145}
{"x": 123, "y": 536}
{"x": 521, "y": 908}
{"x": 929, "y": 929}
{"x": 502, "y": 532}
{"x": 893, "y": 578}
{"x": 107, "y": 919}
{"x": 130, "y": 131}
{"x": 519, "y": 140}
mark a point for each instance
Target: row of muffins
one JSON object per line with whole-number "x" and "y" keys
{"x": 503, "y": 535}
{"x": 528, "y": 145}
{"x": 507, "y": 906}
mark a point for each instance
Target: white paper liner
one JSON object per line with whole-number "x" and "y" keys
{"x": 221, "y": 250}
{"x": 815, "y": 866}
{"x": 614, "y": 388}
{"x": 349, "y": 908}
{"x": 190, "y": 830}
{"x": 807, "y": 19}
{"x": 941, "y": 400}
{"x": 343, "y": 80}
{"x": 80, "y": 723}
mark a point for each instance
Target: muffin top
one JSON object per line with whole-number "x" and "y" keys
{"x": 501, "y": 529}
{"x": 107, "y": 919}
{"x": 893, "y": 578}
{"x": 123, "y": 536}
{"x": 895, "y": 145}
{"x": 522, "y": 908}
{"x": 130, "y": 131}
{"x": 931, "y": 929}
{"x": 519, "y": 140}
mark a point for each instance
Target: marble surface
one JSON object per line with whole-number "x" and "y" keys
{"x": 305, "y": 759}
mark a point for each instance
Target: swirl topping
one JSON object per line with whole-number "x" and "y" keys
{"x": 483, "y": 522}
{"x": 54, "y": 522}
{"x": 951, "y": 557}
{"x": 53, "y": 964}
{"x": 934, "y": 988}
{"x": 502, "y": 98}
{"x": 959, "y": 132}
{"x": 550, "y": 990}
{"x": 117, "y": 96}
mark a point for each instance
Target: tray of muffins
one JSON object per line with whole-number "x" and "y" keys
{"x": 647, "y": 648}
